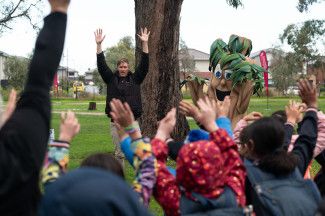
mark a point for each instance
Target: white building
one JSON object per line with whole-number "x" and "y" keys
{"x": 3, "y": 58}
{"x": 201, "y": 60}
{"x": 89, "y": 76}
{"x": 64, "y": 73}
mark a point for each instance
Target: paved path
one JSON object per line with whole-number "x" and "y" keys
{"x": 94, "y": 113}
{"x": 83, "y": 113}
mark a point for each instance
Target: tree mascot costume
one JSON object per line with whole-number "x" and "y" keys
{"x": 234, "y": 74}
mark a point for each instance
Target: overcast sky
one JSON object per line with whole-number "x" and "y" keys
{"x": 201, "y": 23}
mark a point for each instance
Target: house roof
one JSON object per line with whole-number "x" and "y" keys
{"x": 204, "y": 75}
{"x": 198, "y": 55}
{"x": 4, "y": 54}
{"x": 69, "y": 69}
{"x": 256, "y": 54}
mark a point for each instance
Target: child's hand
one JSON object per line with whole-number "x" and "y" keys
{"x": 293, "y": 112}
{"x": 253, "y": 116}
{"x": 69, "y": 127}
{"x": 166, "y": 125}
{"x": 207, "y": 114}
{"x": 190, "y": 110}
{"x": 121, "y": 113}
{"x": 307, "y": 93}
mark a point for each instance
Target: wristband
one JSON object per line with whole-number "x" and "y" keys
{"x": 59, "y": 143}
{"x": 312, "y": 109}
{"x": 132, "y": 128}
{"x": 290, "y": 123}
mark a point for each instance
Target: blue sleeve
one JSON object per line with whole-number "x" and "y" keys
{"x": 171, "y": 170}
{"x": 126, "y": 149}
{"x": 225, "y": 123}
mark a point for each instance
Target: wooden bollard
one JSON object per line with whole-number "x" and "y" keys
{"x": 92, "y": 106}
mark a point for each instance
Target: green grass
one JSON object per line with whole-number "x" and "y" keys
{"x": 77, "y": 106}
{"x": 95, "y": 132}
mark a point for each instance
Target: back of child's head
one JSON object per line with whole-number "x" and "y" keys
{"x": 280, "y": 115}
{"x": 198, "y": 168}
{"x": 267, "y": 137}
{"x": 104, "y": 161}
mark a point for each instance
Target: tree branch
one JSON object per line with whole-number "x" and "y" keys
{"x": 11, "y": 12}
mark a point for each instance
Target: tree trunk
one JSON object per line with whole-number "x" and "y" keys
{"x": 160, "y": 90}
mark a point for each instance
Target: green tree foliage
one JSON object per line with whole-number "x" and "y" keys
{"x": 303, "y": 5}
{"x": 235, "y": 3}
{"x": 16, "y": 69}
{"x": 303, "y": 38}
{"x": 13, "y": 10}
{"x": 285, "y": 69}
{"x": 123, "y": 49}
{"x": 99, "y": 81}
{"x": 81, "y": 78}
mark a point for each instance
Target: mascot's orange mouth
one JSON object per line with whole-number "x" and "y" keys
{"x": 222, "y": 94}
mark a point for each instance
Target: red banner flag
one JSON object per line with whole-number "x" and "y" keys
{"x": 55, "y": 82}
{"x": 265, "y": 65}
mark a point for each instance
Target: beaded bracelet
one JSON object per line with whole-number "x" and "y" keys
{"x": 132, "y": 128}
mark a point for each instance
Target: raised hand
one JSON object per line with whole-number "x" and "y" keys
{"x": 189, "y": 110}
{"x": 166, "y": 125}
{"x": 253, "y": 116}
{"x": 99, "y": 36}
{"x": 59, "y": 5}
{"x": 307, "y": 93}
{"x": 121, "y": 113}
{"x": 144, "y": 34}
{"x": 69, "y": 127}
{"x": 293, "y": 112}
{"x": 207, "y": 114}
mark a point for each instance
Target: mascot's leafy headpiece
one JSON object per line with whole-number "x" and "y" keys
{"x": 231, "y": 56}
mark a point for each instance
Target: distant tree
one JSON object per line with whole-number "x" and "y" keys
{"x": 81, "y": 78}
{"x": 13, "y": 10}
{"x": 16, "y": 71}
{"x": 285, "y": 69}
{"x": 303, "y": 38}
{"x": 303, "y": 5}
{"x": 99, "y": 81}
{"x": 186, "y": 61}
{"x": 123, "y": 49}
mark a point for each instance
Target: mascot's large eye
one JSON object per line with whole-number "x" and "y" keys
{"x": 228, "y": 74}
{"x": 218, "y": 74}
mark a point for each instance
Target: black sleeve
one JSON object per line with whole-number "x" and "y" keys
{"x": 24, "y": 137}
{"x": 142, "y": 69}
{"x": 306, "y": 142}
{"x": 321, "y": 158}
{"x": 173, "y": 149}
{"x": 288, "y": 131}
{"x": 104, "y": 71}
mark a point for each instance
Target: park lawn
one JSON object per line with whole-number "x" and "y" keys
{"x": 78, "y": 106}
{"x": 94, "y": 135}
{"x": 256, "y": 104}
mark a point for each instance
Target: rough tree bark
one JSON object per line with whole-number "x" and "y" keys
{"x": 160, "y": 90}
